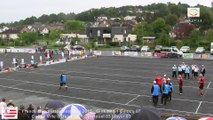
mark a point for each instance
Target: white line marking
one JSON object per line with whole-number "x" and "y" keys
{"x": 92, "y": 100}
{"x": 180, "y": 111}
{"x": 102, "y": 90}
{"x": 19, "y": 84}
{"x": 135, "y": 98}
{"x": 103, "y": 79}
{"x": 198, "y": 107}
{"x": 51, "y": 94}
{"x": 54, "y": 85}
{"x": 208, "y": 85}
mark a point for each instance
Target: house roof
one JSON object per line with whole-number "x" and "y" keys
{"x": 10, "y": 31}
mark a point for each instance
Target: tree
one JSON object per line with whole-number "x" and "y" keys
{"x": 74, "y": 26}
{"x": 159, "y": 26}
{"x": 28, "y": 37}
{"x": 54, "y": 34}
{"x": 209, "y": 35}
{"x": 171, "y": 19}
{"x": 194, "y": 38}
{"x": 163, "y": 39}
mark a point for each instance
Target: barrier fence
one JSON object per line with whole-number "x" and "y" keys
{"x": 151, "y": 54}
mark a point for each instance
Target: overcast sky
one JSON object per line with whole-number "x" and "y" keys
{"x": 14, "y": 10}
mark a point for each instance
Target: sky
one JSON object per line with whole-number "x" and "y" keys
{"x": 15, "y": 10}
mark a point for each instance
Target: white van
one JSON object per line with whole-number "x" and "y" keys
{"x": 172, "y": 52}
{"x": 211, "y": 48}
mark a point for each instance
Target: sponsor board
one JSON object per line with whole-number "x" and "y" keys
{"x": 130, "y": 53}
{"x": 116, "y": 53}
{"x": 146, "y": 54}
{"x": 188, "y": 55}
{"x": 160, "y": 54}
{"x": 204, "y": 56}
{"x": 98, "y": 53}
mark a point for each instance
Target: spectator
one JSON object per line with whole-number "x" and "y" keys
{"x": 179, "y": 70}
{"x": 2, "y": 105}
{"x": 10, "y": 104}
{"x": 54, "y": 116}
{"x": 22, "y": 114}
{"x": 174, "y": 71}
{"x": 196, "y": 70}
{"x": 183, "y": 67}
{"x": 203, "y": 70}
{"x": 187, "y": 72}
{"x": 45, "y": 113}
{"x": 193, "y": 68}
{"x": 30, "y": 112}
{"x": 39, "y": 115}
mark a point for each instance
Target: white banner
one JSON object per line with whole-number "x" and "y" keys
{"x": 146, "y": 54}
{"x": 131, "y": 53}
{"x": 116, "y": 53}
{"x": 98, "y": 53}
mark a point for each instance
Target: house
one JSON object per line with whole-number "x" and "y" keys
{"x": 129, "y": 18}
{"x": 132, "y": 37}
{"x": 4, "y": 28}
{"x": 148, "y": 39}
{"x": 9, "y": 34}
{"x": 105, "y": 32}
{"x": 181, "y": 30}
{"x": 67, "y": 38}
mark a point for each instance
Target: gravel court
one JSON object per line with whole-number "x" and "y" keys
{"x": 95, "y": 85}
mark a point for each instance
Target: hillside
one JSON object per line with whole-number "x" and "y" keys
{"x": 147, "y": 13}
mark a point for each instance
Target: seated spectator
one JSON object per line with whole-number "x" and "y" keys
{"x": 30, "y": 111}
{"x": 45, "y": 113}
{"x": 54, "y": 116}
{"x": 10, "y": 104}
{"x": 22, "y": 114}
{"x": 39, "y": 115}
{"x": 2, "y": 105}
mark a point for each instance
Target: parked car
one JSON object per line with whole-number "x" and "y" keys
{"x": 185, "y": 49}
{"x": 200, "y": 50}
{"x": 158, "y": 48}
{"x": 145, "y": 49}
{"x": 124, "y": 48}
{"x": 135, "y": 48}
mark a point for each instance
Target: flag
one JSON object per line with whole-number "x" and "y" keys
{"x": 10, "y": 113}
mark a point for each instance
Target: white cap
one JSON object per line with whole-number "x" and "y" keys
{"x": 174, "y": 65}
{"x": 154, "y": 82}
{"x": 164, "y": 75}
{"x": 168, "y": 79}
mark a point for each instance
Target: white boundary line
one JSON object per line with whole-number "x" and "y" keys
{"x": 101, "y": 79}
{"x": 51, "y": 94}
{"x": 102, "y": 90}
{"x": 198, "y": 107}
{"x": 115, "y": 75}
{"x": 135, "y": 98}
{"x": 208, "y": 85}
{"x": 19, "y": 84}
{"x": 92, "y": 100}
